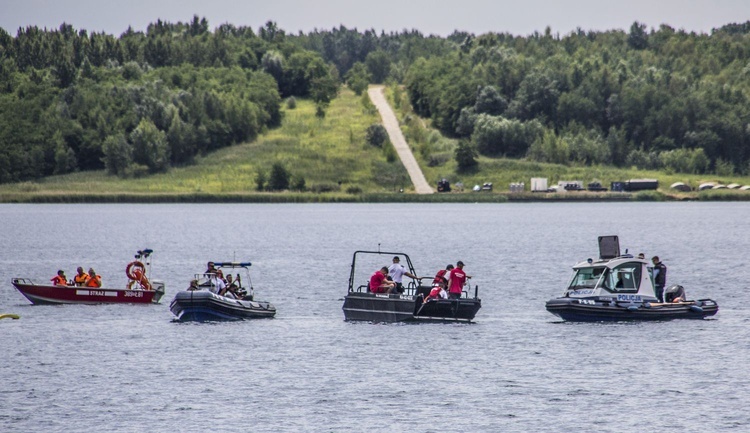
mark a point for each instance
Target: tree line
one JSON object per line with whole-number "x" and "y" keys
{"x": 654, "y": 99}
{"x": 144, "y": 101}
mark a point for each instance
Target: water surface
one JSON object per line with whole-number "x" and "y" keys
{"x": 517, "y": 369}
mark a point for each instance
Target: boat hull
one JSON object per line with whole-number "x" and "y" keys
{"x": 572, "y": 309}
{"x": 40, "y": 294}
{"x": 401, "y": 308}
{"x": 202, "y": 305}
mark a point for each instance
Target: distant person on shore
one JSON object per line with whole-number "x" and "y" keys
{"x": 397, "y": 271}
{"x": 94, "y": 280}
{"x": 660, "y": 277}
{"x": 379, "y": 283}
{"x": 81, "y": 278}
{"x": 456, "y": 280}
{"x": 60, "y": 279}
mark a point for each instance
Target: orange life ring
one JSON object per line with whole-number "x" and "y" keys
{"x": 136, "y": 271}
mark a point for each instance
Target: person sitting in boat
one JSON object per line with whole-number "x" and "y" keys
{"x": 94, "y": 280}
{"x": 437, "y": 292}
{"x": 81, "y": 278}
{"x": 60, "y": 279}
{"x": 193, "y": 285}
{"x": 233, "y": 289}
{"x": 210, "y": 268}
{"x": 379, "y": 283}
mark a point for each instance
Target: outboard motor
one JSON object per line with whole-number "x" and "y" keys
{"x": 674, "y": 293}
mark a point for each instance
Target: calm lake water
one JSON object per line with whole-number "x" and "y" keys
{"x": 132, "y": 368}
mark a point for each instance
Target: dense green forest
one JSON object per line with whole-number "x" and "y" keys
{"x": 142, "y": 102}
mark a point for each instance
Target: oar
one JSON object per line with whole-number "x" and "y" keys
{"x": 10, "y": 316}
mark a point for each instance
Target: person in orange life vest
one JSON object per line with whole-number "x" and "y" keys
{"x": 94, "y": 280}
{"x": 81, "y": 278}
{"x": 379, "y": 283}
{"x": 60, "y": 279}
{"x": 456, "y": 280}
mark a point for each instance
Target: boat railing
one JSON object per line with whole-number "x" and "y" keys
{"x": 25, "y": 281}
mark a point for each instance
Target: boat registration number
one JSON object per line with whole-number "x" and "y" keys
{"x": 587, "y": 301}
{"x": 133, "y": 294}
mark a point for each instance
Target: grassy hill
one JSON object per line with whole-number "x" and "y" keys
{"x": 332, "y": 157}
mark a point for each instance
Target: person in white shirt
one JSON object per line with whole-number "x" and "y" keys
{"x": 397, "y": 271}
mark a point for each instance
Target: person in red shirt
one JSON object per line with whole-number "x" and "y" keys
{"x": 379, "y": 283}
{"x": 456, "y": 280}
{"x": 60, "y": 279}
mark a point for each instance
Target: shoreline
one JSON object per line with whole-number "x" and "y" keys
{"x": 291, "y": 197}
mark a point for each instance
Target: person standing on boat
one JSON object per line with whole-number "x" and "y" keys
{"x": 379, "y": 283}
{"x": 456, "y": 280}
{"x": 60, "y": 279}
{"x": 81, "y": 278}
{"x": 397, "y": 271}
{"x": 218, "y": 285}
{"x": 441, "y": 278}
{"x": 660, "y": 277}
{"x": 94, "y": 280}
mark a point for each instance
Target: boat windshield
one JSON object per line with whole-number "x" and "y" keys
{"x": 586, "y": 278}
{"x": 623, "y": 278}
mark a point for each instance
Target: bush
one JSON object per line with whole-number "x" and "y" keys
{"x": 353, "y": 189}
{"x": 291, "y": 103}
{"x": 376, "y": 135}
{"x": 325, "y": 187}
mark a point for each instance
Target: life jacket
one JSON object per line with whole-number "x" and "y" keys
{"x": 59, "y": 281}
{"x": 94, "y": 282}
{"x": 81, "y": 280}
{"x": 440, "y": 277}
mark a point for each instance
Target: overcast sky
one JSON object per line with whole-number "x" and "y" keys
{"x": 519, "y": 17}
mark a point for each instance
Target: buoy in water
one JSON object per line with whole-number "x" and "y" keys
{"x": 10, "y": 316}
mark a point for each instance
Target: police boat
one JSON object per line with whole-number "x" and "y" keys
{"x": 361, "y": 304}
{"x": 620, "y": 287}
{"x": 208, "y": 299}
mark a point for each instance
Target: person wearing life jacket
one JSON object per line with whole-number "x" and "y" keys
{"x": 60, "y": 279}
{"x": 81, "y": 278}
{"x": 94, "y": 280}
{"x": 441, "y": 277}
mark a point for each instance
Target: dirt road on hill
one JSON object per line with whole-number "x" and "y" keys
{"x": 399, "y": 142}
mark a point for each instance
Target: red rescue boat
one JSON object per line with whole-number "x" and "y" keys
{"x": 139, "y": 289}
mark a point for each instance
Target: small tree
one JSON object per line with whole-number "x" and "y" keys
{"x": 260, "y": 180}
{"x": 279, "y": 178}
{"x": 465, "y": 157}
{"x": 358, "y": 78}
{"x": 118, "y": 154}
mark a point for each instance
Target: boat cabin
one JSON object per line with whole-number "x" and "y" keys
{"x": 613, "y": 274}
